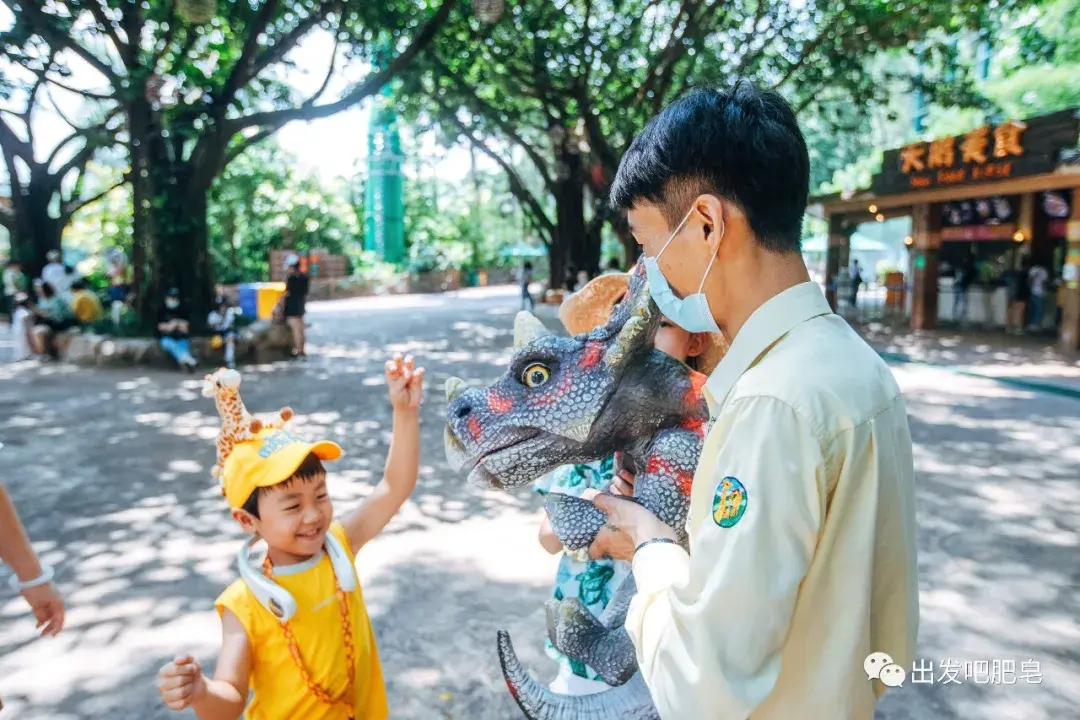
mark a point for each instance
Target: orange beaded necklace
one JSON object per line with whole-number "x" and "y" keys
{"x": 317, "y": 690}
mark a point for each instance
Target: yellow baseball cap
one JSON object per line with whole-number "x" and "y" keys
{"x": 272, "y": 457}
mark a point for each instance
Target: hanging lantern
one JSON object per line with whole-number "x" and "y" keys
{"x": 488, "y": 11}
{"x": 196, "y": 12}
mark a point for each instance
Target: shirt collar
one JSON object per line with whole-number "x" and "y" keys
{"x": 776, "y": 317}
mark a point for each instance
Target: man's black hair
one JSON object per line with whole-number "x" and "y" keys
{"x": 79, "y": 284}
{"x": 310, "y": 469}
{"x": 741, "y": 144}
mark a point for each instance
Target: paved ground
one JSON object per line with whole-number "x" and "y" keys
{"x": 110, "y": 472}
{"x": 1028, "y": 359}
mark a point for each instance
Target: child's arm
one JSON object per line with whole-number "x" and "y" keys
{"x": 402, "y": 461}
{"x": 548, "y": 539}
{"x": 17, "y": 553}
{"x": 182, "y": 684}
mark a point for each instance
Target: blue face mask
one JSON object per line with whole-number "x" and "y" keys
{"x": 690, "y": 313}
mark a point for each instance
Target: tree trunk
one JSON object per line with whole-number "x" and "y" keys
{"x": 35, "y": 232}
{"x": 170, "y": 227}
{"x": 182, "y": 242}
{"x": 144, "y": 264}
{"x": 573, "y": 246}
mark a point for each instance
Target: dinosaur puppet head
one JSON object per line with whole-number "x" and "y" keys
{"x": 559, "y": 402}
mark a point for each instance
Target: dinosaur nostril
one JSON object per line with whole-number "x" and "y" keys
{"x": 463, "y": 411}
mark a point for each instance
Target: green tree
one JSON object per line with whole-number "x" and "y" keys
{"x": 47, "y": 185}
{"x": 570, "y": 83}
{"x": 197, "y": 88}
{"x": 260, "y": 203}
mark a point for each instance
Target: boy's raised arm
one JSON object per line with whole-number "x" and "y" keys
{"x": 406, "y": 386}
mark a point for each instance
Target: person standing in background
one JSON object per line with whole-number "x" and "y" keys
{"x": 119, "y": 281}
{"x": 15, "y": 282}
{"x": 294, "y": 303}
{"x": 1038, "y": 278}
{"x": 526, "y": 280}
{"x": 856, "y": 281}
{"x": 55, "y": 273}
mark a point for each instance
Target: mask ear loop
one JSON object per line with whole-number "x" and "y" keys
{"x": 677, "y": 231}
{"x": 723, "y": 229}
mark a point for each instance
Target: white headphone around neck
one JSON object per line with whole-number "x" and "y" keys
{"x": 277, "y": 599}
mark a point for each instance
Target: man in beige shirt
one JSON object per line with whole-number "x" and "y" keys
{"x": 802, "y": 557}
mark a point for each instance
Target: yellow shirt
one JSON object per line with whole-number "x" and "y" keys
{"x": 802, "y": 520}
{"x": 279, "y": 690}
{"x": 86, "y": 306}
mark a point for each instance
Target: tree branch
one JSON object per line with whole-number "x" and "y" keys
{"x": 517, "y": 185}
{"x": 62, "y": 144}
{"x": 482, "y": 108}
{"x": 330, "y": 71}
{"x": 171, "y": 21}
{"x": 109, "y": 28}
{"x": 85, "y": 93}
{"x": 239, "y": 75}
{"x": 278, "y": 118}
{"x": 42, "y": 24}
{"x": 244, "y": 144}
{"x": 74, "y": 206}
{"x": 12, "y": 143}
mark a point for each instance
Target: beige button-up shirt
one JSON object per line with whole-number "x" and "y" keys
{"x": 802, "y": 523}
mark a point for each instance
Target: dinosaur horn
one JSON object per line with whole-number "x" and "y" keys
{"x": 453, "y": 387}
{"x": 527, "y": 327}
{"x": 640, "y": 319}
{"x": 628, "y": 702}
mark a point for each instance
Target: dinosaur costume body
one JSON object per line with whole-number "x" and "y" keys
{"x": 573, "y": 400}
{"x": 237, "y": 424}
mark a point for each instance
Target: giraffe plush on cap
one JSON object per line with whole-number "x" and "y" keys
{"x": 237, "y": 424}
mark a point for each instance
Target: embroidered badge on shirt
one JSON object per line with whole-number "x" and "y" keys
{"x": 729, "y": 502}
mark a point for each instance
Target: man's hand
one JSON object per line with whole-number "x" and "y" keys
{"x": 181, "y": 683}
{"x": 47, "y": 606}
{"x": 406, "y": 383}
{"x": 628, "y": 525}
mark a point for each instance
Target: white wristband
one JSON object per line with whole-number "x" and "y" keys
{"x": 44, "y": 578}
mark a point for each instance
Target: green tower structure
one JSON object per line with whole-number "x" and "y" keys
{"x": 384, "y": 203}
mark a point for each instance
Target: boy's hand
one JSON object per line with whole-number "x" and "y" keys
{"x": 181, "y": 683}
{"x": 406, "y": 383}
{"x": 47, "y": 606}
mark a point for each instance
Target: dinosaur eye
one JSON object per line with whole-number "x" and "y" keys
{"x": 535, "y": 375}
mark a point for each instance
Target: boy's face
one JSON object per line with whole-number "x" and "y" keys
{"x": 293, "y": 517}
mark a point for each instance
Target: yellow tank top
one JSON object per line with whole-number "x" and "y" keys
{"x": 279, "y": 692}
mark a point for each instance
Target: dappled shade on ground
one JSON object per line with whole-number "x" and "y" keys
{"x": 110, "y": 471}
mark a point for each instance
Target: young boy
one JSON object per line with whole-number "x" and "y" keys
{"x": 222, "y": 320}
{"x": 308, "y": 650}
